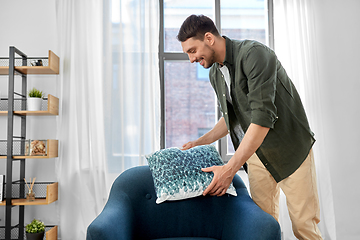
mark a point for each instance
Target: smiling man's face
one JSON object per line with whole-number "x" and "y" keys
{"x": 199, "y": 51}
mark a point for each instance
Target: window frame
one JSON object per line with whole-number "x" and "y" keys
{"x": 177, "y": 56}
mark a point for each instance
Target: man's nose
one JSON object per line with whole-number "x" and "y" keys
{"x": 192, "y": 58}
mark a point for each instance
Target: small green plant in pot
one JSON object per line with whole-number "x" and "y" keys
{"x": 35, "y": 93}
{"x": 34, "y": 100}
{"x": 35, "y": 230}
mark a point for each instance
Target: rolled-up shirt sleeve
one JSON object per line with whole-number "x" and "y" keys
{"x": 261, "y": 71}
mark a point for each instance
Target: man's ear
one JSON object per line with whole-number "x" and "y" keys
{"x": 209, "y": 38}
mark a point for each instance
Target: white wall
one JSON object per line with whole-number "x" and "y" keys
{"x": 338, "y": 36}
{"x": 31, "y": 27}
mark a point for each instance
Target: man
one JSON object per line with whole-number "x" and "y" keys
{"x": 265, "y": 118}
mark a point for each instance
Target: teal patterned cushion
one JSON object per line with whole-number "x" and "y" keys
{"x": 177, "y": 173}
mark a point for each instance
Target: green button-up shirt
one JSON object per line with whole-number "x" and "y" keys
{"x": 263, "y": 94}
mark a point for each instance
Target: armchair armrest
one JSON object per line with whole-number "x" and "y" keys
{"x": 114, "y": 222}
{"x": 255, "y": 223}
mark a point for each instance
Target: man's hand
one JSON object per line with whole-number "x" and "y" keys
{"x": 217, "y": 132}
{"x": 223, "y": 176}
{"x": 189, "y": 145}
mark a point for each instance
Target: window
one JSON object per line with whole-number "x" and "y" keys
{"x": 189, "y": 104}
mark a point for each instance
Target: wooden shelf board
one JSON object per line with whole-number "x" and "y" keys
{"x": 26, "y": 157}
{"x": 24, "y": 202}
{"x": 4, "y": 70}
{"x": 52, "y": 109}
{"x": 29, "y": 113}
{"x": 30, "y": 70}
{"x": 51, "y": 196}
{"x": 52, "y": 151}
{"x": 53, "y": 67}
{"x": 34, "y": 113}
{"x": 52, "y": 233}
{"x": 36, "y": 70}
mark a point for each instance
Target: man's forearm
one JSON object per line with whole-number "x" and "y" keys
{"x": 252, "y": 140}
{"x": 218, "y": 131}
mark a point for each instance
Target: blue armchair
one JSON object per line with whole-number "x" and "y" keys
{"x": 131, "y": 213}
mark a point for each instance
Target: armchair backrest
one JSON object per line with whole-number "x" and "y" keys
{"x": 200, "y": 216}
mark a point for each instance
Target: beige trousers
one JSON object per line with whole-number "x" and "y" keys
{"x": 301, "y": 194}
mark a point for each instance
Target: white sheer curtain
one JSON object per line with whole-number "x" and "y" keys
{"x": 81, "y": 167}
{"x": 132, "y": 85}
{"x": 295, "y": 45}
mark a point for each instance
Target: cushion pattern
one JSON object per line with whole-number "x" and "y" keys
{"x": 177, "y": 173}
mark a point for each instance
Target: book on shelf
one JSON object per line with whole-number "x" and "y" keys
{"x": 2, "y": 183}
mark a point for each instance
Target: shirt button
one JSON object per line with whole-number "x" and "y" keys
{"x": 224, "y": 95}
{"x": 226, "y": 113}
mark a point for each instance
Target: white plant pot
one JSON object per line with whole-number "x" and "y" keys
{"x": 34, "y": 104}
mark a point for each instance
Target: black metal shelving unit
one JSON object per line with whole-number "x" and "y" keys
{"x": 10, "y": 139}
{"x": 18, "y": 63}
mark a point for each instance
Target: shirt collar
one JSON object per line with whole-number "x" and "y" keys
{"x": 229, "y": 53}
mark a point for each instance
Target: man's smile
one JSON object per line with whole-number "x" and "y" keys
{"x": 201, "y": 61}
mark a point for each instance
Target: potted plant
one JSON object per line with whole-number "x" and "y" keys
{"x": 35, "y": 230}
{"x": 34, "y": 100}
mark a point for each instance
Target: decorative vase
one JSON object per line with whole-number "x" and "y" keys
{"x": 34, "y": 103}
{"x": 30, "y": 196}
{"x": 35, "y": 236}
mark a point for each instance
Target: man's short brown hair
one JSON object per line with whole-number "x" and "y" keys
{"x": 196, "y": 26}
